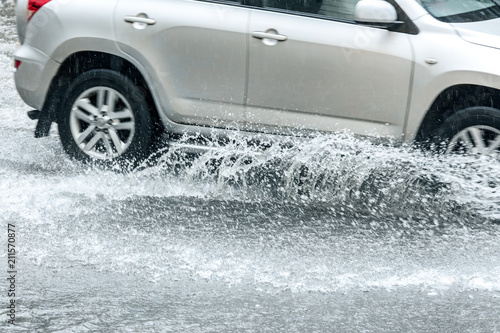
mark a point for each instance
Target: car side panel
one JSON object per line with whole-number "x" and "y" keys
{"x": 196, "y": 52}
{"x": 470, "y": 64}
{"x": 341, "y": 73}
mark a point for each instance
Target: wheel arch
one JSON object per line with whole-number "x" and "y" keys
{"x": 81, "y": 62}
{"x": 452, "y": 100}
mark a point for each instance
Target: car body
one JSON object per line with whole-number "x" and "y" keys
{"x": 411, "y": 70}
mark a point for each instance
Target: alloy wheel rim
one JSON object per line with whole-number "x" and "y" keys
{"x": 102, "y": 123}
{"x": 476, "y": 140}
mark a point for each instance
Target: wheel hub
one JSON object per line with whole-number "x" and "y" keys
{"x": 103, "y": 122}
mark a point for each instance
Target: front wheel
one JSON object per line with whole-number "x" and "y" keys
{"x": 474, "y": 130}
{"x": 104, "y": 118}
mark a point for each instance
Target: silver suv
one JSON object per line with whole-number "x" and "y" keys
{"x": 115, "y": 74}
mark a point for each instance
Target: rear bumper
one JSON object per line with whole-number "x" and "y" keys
{"x": 34, "y": 75}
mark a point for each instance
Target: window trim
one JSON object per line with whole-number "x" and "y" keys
{"x": 407, "y": 27}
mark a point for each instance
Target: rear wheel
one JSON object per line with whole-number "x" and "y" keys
{"x": 474, "y": 130}
{"x": 104, "y": 119}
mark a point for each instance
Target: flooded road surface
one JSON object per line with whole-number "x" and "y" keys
{"x": 336, "y": 234}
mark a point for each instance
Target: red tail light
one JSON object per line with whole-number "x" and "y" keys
{"x": 34, "y": 6}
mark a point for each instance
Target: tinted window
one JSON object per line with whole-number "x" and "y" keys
{"x": 343, "y": 9}
{"x": 462, "y": 11}
{"x": 339, "y": 9}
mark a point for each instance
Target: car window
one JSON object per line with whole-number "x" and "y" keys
{"x": 337, "y": 9}
{"x": 223, "y": 1}
{"x": 342, "y": 9}
{"x": 462, "y": 11}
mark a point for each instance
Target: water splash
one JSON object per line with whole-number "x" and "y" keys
{"x": 343, "y": 171}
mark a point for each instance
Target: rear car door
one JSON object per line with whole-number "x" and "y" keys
{"x": 320, "y": 70}
{"x": 195, "y": 53}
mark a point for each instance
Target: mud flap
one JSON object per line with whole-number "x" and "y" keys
{"x": 43, "y": 125}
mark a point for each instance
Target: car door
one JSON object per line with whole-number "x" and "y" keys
{"x": 195, "y": 53}
{"x": 311, "y": 66}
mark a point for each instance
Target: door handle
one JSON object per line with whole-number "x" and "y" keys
{"x": 267, "y": 35}
{"x": 138, "y": 19}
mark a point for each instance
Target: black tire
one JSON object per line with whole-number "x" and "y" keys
{"x": 474, "y": 130}
{"x": 104, "y": 119}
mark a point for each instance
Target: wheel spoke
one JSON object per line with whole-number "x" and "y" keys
{"x": 494, "y": 145}
{"x": 116, "y": 140}
{"x": 107, "y": 144}
{"x": 125, "y": 113}
{"x": 124, "y": 126}
{"x": 85, "y": 134}
{"x": 477, "y": 138}
{"x": 83, "y": 116}
{"x": 111, "y": 101}
{"x": 85, "y": 105}
{"x": 98, "y": 136}
{"x": 465, "y": 138}
{"x": 100, "y": 98}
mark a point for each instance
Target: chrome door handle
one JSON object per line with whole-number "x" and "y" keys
{"x": 266, "y": 35}
{"x": 137, "y": 19}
